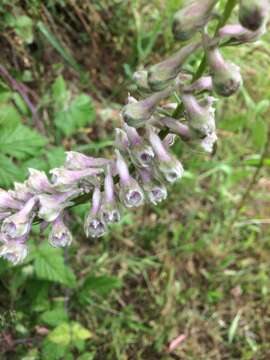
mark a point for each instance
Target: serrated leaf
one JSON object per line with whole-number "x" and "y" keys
{"x": 79, "y": 332}
{"x": 21, "y": 141}
{"x": 65, "y": 333}
{"x": 52, "y": 352}
{"x": 49, "y": 265}
{"x": 54, "y": 317}
{"x": 56, "y": 156}
{"x": 9, "y": 172}
{"x": 9, "y": 116}
{"x": 78, "y": 114}
{"x": 24, "y": 28}
{"x": 60, "y": 94}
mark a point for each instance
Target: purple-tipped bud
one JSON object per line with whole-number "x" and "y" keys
{"x": 237, "y": 34}
{"x": 78, "y": 161}
{"x": 130, "y": 193}
{"x": 8, "y": 202}
{"x": 170, "y": 167}
{"x": 121, "y": 140}
{"x": 201, "y": 118}
{"x": 161, "y": 74}
{"x": 140, "y": 152}
{"x": 19, "y": 224}
{"x": 50, "y": 206}
{"x": 93, "y": 225}
{"x": 136, "y": 114}
{"x": 60, "y": 236}
{"x": 141, "y": 80}
{"x": 226, "y": 75}
{"x": 155, "y": 191}
{"x": 63, "y": 179}
{"x": 253, "y": 13}
{"x": 109, "y": 211}
{"x": 38, "y": 182}
{"x": 14, "y": 251}
{"x": 192, "y": 18}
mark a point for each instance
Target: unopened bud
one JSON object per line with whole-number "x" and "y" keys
{"x": 192, "y": 18}
{"x": 136, "y": 114}
{"x": 253, "y": 13}
{"x": 161, "y": 74}
{"x": 226, "y": 75}
{"x": 237, "y": 34}
{"x": 141, "y": 79}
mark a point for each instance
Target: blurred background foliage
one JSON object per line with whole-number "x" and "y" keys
{"x": 198, "y": 265}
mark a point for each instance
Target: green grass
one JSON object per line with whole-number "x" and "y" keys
{"x": 192, "y": 266}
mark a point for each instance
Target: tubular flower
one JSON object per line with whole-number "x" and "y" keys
{"x": 155, "y": 191}
{"x": 78, "y": 161}
{"x": 237, "y": 34}
{"x": 201, "y": 118}
{"x": 170, "y": 167}
{"x": 14, "y": 251}
{"x": 93, "y": 225}
{"x": 19, "y": 224}
{"x": 140, "y": 78}
{"x": 60, "y": 236}
{"x": 121, "y": 140}
{"x": 38, "y": 182}
{"x": 109, "y": 211}
{"x": 253, "y": 13}
{"x": 192, "y": 18}
{"x": 8, "y": 202}
{"x": 130, "y": 192}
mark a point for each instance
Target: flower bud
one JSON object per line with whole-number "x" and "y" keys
{"x": 109, "y": 211}
{"x": 50, "y": 206}
{"x": 170, "y": 168}
{"x": 130, "y": 193}
{"x": 192, "y": 18}
{"x": 155, "y": 191}
{"x": 19, "y": 224}
{"x": 140, "y": 153}
{"x": 78, "y": 161}
{"x": 226, "y": 75}
{"x": 14, "y": 251}
{"x": 136, "y": 114}
{"x": 177, "y": 127}
{"x": 208, "y": 143}
{"x": 201, "y": 118}
{"x": 63, "y": 179}
{"x": 204, "y": 83}
{"x": 161, "y": 74}
{"x": 93, "y": 225}
{"x": 141, "y": 80}
{"x": 38, "y": 182}
{"x": 237, "y": 34}
{"x": 253, "y": 13}
{"x": 60, "y": 236}
{"x": 8, "y": 202}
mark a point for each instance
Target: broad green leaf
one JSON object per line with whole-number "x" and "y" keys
{"x": 65, "y": 333}
{"x": 87, "y": 356}
{"x": 55, "y": 156}
{"x": 55, "y": 317}
{"x": 79, "y": 113}
{"x": 49, "y": 265}
{"x": 79, "y": 332}
{"x": 21, "y": 141}
{"x": 9, "y": 116}
{"x": 9, "y": 172}
{"x": 52, "y": 352}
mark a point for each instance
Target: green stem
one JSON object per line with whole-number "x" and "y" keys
{"x": 224, "y": 18}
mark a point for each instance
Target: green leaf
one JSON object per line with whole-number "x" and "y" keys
{"x": 60, "y": 94}
{"x": 101, "y": 285}
{"x": 49, "y": 265}
{"x": 21, "y": 142}
{"x": 65, "y": 334}
{"x": 9, "y": 172}
{"x": 54, "y": 317}
{"x": 9, "y": 116}
{"x": 57, "y": 45}
{"x": 24, "y": 28}
{"x": 233, "y": 327}
{"x": 56, "y": 156}
{"x": 259, "y": 131}
{"x": 52, "y": 352}
{"x": 87, "y": 356}
{"x": 78, "y": 114}
{"x": 79, "y": 332}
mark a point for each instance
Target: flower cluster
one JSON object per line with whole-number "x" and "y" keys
{"x": 143, "y": 164}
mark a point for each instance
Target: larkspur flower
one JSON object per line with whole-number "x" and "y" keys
{"x": 140, "y": 78}
{"x": 14, "y": 251}
{"x": 155, "y": 191}
{"x": 167, "y": 164}
{"x": 8, "y": 202}
{"x": 38, "y": 182}
{"x": 177, "y": 127}
{"x": 93, "y": 225}
{"x": 237, "y": 34}
{"x": 253, "y": 13}
{"x": 19, "y": 224}
{"x": 60, "y": 236}
{"x": 79, "y": 161}
{"x": 109, "y": 211}
{"x": 130, "y": 192}
{"x": 21, "y": 192}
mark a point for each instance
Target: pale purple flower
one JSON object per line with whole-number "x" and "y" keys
{"x": 64, "y": 179}
{"x": 167, "y": 164}
{"x": 14, "y": 251}
{"x": 177, "y": 127}
{"x": 237, "y": 34}
{"x": 130, "y": 192}
{"x": 93, "y": 225}
{"x": 19, "y": 224}
{"x": 204, "y": 83}
{"x": 4, "y": 214}
{"x": 79, "y": 161}
{"x": 8, "y": 202}
{"x": 155, "y": 191}
{"x": 60, "y": 236}
{"x": 109, "y": 211}
{"x": 38, "y": 182}
{"x": 50, "y": 206}
{"x": 140, "y": 77}
{"x": 169, "y": 140}
{"x": 209, "y": 142}
{"x": 121, "y": 140}
{"x": 21, "y": 192}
